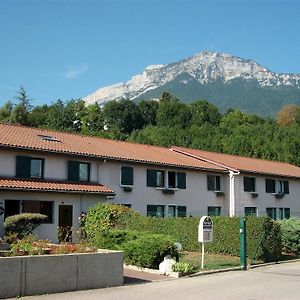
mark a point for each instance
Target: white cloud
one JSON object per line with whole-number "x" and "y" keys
{"x": 75, "y": 71}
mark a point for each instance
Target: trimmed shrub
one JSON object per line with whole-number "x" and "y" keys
{"x": 106, "y": 216}
{"x": 114, "y": 239}
{"x": 291, "y": 235}
{"x": 148, "y": 250}
{"x": 23, "y": 224}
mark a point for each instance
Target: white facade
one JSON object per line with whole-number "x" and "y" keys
{"x": 196, "y": 198}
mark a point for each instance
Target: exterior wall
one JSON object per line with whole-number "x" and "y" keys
{"x": 264, "y": 200}
{"x": 55, "y": 166}
{"x": 195, "y": 197}
{"x": 80, "y": 204}
{"x": 31, "y": 275}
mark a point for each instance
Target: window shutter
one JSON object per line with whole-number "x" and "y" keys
{"x": 286, "y": 189}
{"x": 73, "y": 171}
{"x": 181, "y": 211}
{"x": 181, "y": 180}
{"x": 23, "y": 167}
{"x": 151, "y": 178}
{"x": 270, "y": 186}
{"x": 218, "y": 183}
{"x": 211, "y": 182}
{"x": 127, "y": 175}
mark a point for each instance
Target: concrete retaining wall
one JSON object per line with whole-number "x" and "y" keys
{"x": 31, "y": 275}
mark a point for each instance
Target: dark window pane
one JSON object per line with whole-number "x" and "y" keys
{"x": 249, "y": 184}
{"x": 287, "y": 213}
{"x": 286, "y": 188}
{"x": 211, "y": 182}
{"x": 181, "y": 211}
{"x": 271, "y": 212}
{"x": 270, "y": 186}
{"x": 46, "y": 208}
{"x": 214, "y": 210}
{"x": 151, "y": 178}
{"x": 127, "y": 176}
{"x": 171, "y": 179}
{"x": 181, "y": 180}
{"x": 250, "y": 211}
{"x": 151, "y": 210}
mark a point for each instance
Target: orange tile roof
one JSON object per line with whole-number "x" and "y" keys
{"x": 21, "y": 137}
{"x": 244, "y": 164}
{"x": 52, "y": 186}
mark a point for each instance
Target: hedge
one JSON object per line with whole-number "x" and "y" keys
{"x": 291, "y": 235}
{"x": 225, "y": 234}
{"x": 185, "y": 230}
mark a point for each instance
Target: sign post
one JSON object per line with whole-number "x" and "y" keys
{"x": 205, "y": 234}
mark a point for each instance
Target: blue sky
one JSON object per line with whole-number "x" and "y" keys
{"x": 63, "y": 49}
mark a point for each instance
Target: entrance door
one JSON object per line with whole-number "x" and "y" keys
{"x": 65, "y": 222}
{"x": 12, "y": 207}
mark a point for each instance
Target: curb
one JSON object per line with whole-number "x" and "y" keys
{"x": 202, "y": 273}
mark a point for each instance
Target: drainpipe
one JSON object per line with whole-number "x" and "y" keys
{"x": 231, "y": 193}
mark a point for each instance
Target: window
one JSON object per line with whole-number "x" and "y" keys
{"x": 250, "y": 211}
{"x": 284, "y": 213}
{"x": 176, "y": 180}
{"x": 78, "y": 171}
{"x": 29, "y": 167}
{"x": 156, "y": 211}
{"x": 42, "y": 207}
{"x": 277, "y": 186}
{"x": 155, "y": 178}
{"x": 271, "y": 212}
{"x": 176, "y": 211}
{"x": 213, "y": 183}
{"x": 283, "y": 187}
{"x": 249, "y": 184}
{"x": 127, "y": 176}
{"x": 214, "y": 211}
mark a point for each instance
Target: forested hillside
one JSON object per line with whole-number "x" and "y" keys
{"x": 168, "y": 122}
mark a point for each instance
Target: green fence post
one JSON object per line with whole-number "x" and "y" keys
{"x": 243, "y": 246}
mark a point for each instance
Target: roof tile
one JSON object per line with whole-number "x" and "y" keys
{"x": 53, "y": 186}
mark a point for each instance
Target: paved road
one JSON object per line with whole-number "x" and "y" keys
{"x": 281, "y": 281}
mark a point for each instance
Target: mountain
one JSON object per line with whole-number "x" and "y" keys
{"x": 224, "y": 80}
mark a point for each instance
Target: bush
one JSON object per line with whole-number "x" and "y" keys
{"x": 181, "y": 267}
{"x": 23, "y": 224}
{"x": 105, "y": 216}
{"x": 148, "y": 250}
{"x": 291, "y": 235}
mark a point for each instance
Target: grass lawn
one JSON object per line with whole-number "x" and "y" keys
{"x": 211, "y": 261}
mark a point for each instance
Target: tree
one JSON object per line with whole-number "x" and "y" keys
{"x": 6, "y": 112}
{"x": 204, "y": 112}
{"x": 288, "y": 115}
{"x": 93, "y": 120}
{"x": 123, "y": 116}
{"x": 172, "y": 113}
{"x": 20, "y": 113}
{"x": 149, "y": 110}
